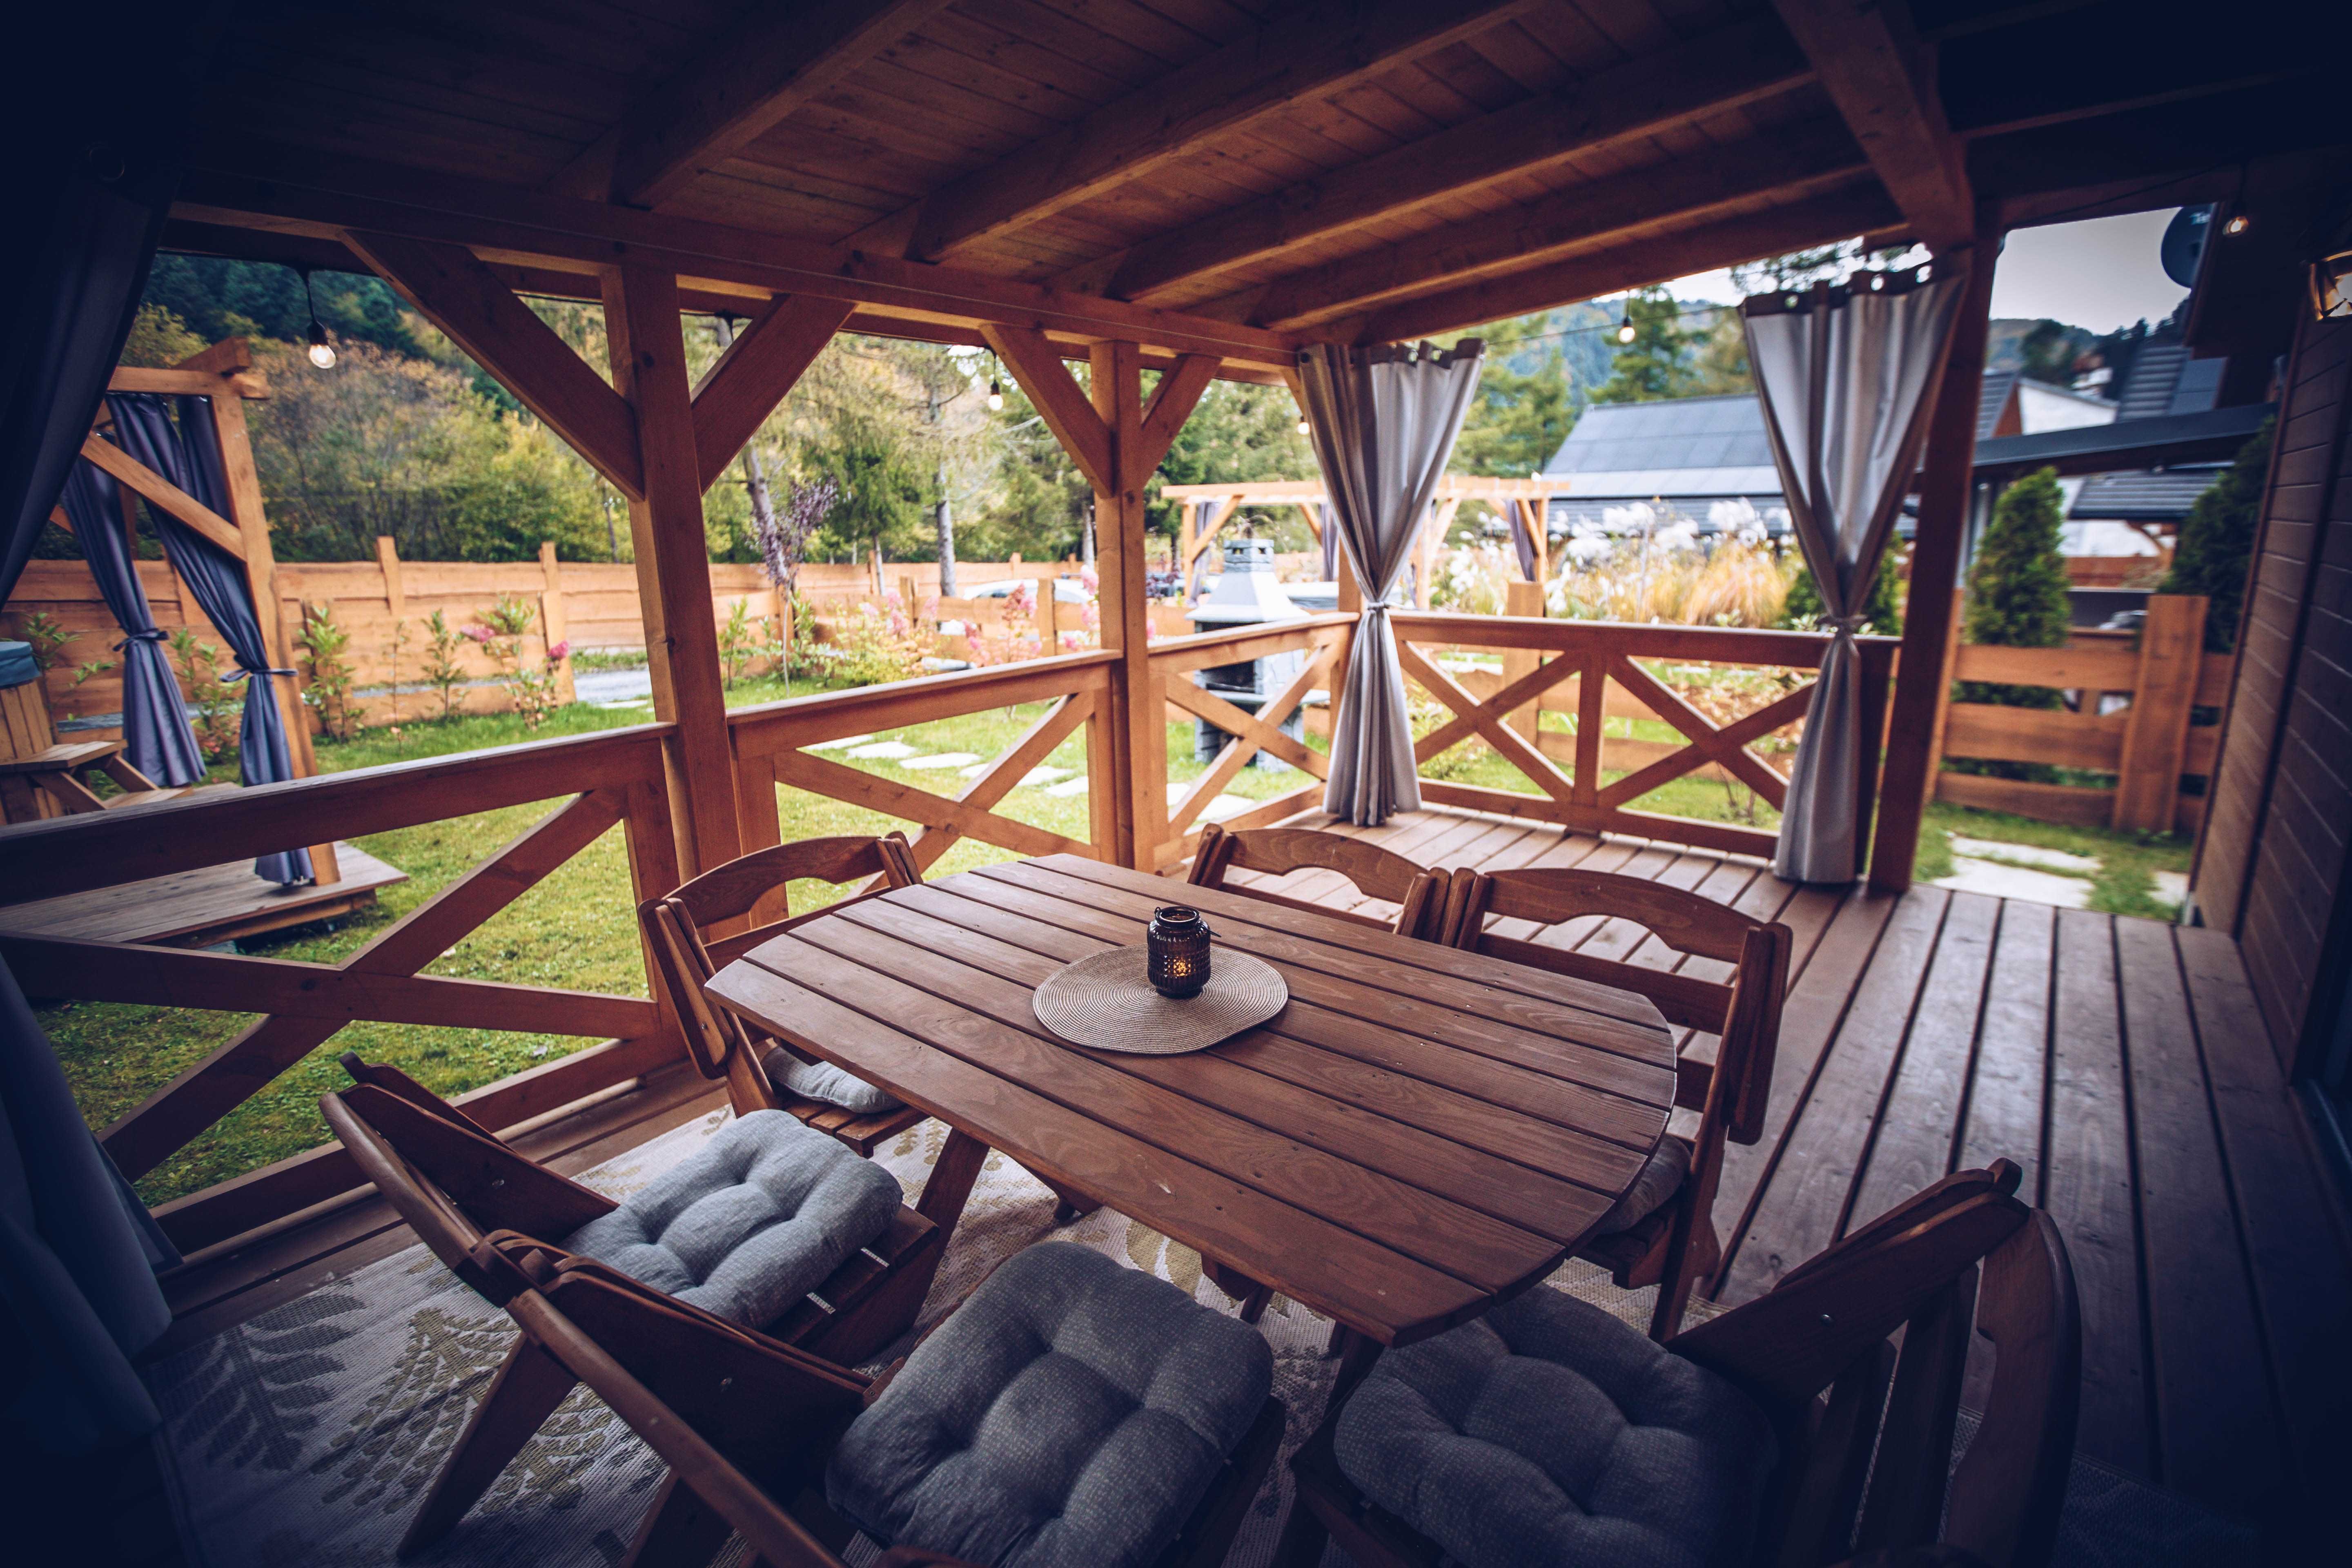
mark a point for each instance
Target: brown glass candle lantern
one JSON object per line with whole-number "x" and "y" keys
{"x": 1176, "y": 950}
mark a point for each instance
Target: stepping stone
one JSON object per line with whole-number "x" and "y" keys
{"x": 2024, "y": 855}
{"x": 837, "y": 745}
{"x": 1970, "y": 875}
{"x": 1068, "y": 788}
{"x": 636, "y": 703}
{"x": 1223, "y": 806}
{"x": 883, "y": 751}
{"x": 939, "y": 760}
{"x": 976, "y": 769}
{"x": 1040, "y": 777}
{"x": 2171, "y": 889}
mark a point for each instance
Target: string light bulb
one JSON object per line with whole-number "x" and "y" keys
{"x": 2238, "y": 225}
{"x": 995, "y": 386}
{"x": 1302, "y": 425}
{"x": 1626, "y": 325}
{"x": 323, "y": 352}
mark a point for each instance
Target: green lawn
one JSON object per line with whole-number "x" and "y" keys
{"x": 576, "y": 928}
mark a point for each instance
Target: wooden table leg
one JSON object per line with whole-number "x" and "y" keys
{"x": 1357, "y": 1353}
{"x": 952, "y": 1178}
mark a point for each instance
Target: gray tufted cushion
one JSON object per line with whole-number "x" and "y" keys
{"x": 748, "y": 1225}
{"x": 1070, "y": 1415}
{"x": 1549, "y": 1434}
{"x": 824, "y": 1081}
{"x": 1660, "y": 1178}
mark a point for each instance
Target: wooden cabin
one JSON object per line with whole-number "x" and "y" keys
{"x": 1196, "y": 189}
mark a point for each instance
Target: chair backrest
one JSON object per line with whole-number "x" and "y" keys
{"x": 1419, "y": 894}
{"x": 718, "y": 1404}
{"x": 1745, "y": 1010}
{"x": 687, "y": 954}
{"x": 1866, "y": 1435}
{"x": 453, "y": 1182}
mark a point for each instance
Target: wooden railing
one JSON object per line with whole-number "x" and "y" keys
{"x": 770, "y": 743}
{"x": 613, "y": 777}
{"x": 2149, "y": 744}
{"x": 1323, "y": 638}
{"x": 1590, "y": 671}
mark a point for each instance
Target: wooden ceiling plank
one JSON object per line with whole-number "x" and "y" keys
{"x": 1792, "y": 162}
{"x": 746, "y": 83}
{"x": 1321, "y": 50}
{"x": 1726, "y": 243}
{"x": 740, "y": 390}
{"x": 1874, "y": 71}
{"x": 1060, "y": 401}
{"x": 466, "y": 300}
{"x": 1727, "y": 68}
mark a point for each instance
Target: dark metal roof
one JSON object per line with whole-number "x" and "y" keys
{"x": 1571, "y": 511}
{"x": 1992, "y": 397}
{"x": 1724, "y": 432}
{"x": 2213, "y": 436}
{"x": 2165, "y": 380}
{"x": 2149, "y": 497}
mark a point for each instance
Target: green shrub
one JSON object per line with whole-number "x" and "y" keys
{"x": 2218, "y": 539}
{"x": 1884, "y": 609}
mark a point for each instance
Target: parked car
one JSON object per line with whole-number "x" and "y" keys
{"x": 1066, "y": 590}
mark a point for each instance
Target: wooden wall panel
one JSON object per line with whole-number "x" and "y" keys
{"x": 2271, "y": 866}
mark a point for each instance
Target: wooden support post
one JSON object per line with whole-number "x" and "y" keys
{"x": 1944, "y": 692}
{"x": 1119, "y": 543}
{"x": 2156, "y": 732}
{"x": 648, "y": 355}
{"x": 387, "y": 560}
{"x": 553, "y": 619}
{"x": 261, "y": 581}
{"x": 1522, "y": 599}
{"x": 1924, "y": 678}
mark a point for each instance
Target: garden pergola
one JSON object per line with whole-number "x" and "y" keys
{"x": 1173, "y": 193}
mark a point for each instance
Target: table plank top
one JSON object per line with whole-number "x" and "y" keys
{"x": 1419, "y": 1133}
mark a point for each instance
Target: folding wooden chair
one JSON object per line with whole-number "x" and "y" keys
{"x": 1419, "y": 894}
{"x": 456, "y": 1185}
{"x": 1848, "y": 1444}
{"x": 747, "y": 1424}
{"x": 1664, "y": 1232}
{"x": 683, "y": 931}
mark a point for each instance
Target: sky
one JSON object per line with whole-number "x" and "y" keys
{"x": 2101, "y": 273}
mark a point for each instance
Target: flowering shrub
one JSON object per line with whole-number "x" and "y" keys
{"x": 1645, "y": 563}
{"x": 500, "y": 634}
{"x": 868, "y": 644}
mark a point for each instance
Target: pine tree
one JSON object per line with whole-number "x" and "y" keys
{"x": 2218, "y": 539}
{"x": 2017, "y": 587}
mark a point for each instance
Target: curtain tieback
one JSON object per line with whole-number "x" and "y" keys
{"x": 151, "y": 635}
{"x": 240, "y": 672}
{"x": 1845, "y": 625}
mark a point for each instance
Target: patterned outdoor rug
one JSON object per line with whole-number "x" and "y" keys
{"x": 309, "y": 1434}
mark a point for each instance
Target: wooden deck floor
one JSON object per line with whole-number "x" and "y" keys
{"x": 2121, "y": 1062}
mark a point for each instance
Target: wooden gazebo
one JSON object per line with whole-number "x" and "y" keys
{"x": 1192, "y": 189}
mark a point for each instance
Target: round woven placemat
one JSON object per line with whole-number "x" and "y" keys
{"x": 1104, "y": 1001}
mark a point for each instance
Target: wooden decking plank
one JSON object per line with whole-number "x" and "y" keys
{"x": 2005, "y": 1100}
{"x": 2303, "y": 1279}
{"x": 1918, "y": 1126}
{"x": 1806, "y": 1196}
{"x": 2217, "y": 1435}
{"x": 2087, "y": 1183}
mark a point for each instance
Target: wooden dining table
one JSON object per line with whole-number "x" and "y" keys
{"x": 1419, "y": 1133}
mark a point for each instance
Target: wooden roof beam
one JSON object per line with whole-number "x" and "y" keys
{"x": 1728, "y": 242}
{"x": 744, "y": 85}
{"x": 1788, "y": 162}
{"x": 274, "y": 190}
{"x": 1874, "y": 70}
{"x": 736, "y": 396}
{"x": 1722, "y": 71}
{"x": 1321, "y": 50}
{"x": 466, "y": 300}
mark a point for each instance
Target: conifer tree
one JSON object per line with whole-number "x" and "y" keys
{"x": 2218, "y": 539}
{"x": 2017, "y": 586}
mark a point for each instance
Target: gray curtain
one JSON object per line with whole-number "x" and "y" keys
{"x": 188, "y": 454}
{"x": 1383, "y": 423}
{"x": 78, "y": 1255}
{"x": 1330, "y": 541}
{"x": 155, "y": 732}
{"x": 1845, "y": 376}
